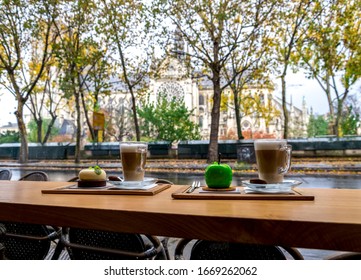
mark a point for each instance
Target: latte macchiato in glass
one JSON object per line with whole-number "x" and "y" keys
{"x": 133, "y": 156}
{"x": 273, "y": 158}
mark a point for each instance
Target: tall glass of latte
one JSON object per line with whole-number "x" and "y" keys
{"x": 134, "y": 157}
{"x": 273, "y": 158}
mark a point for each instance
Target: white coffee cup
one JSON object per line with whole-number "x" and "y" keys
{"x": 273, "y": 158}
{"x": 133, "y": 156}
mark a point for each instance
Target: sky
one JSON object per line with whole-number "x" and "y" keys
{"x": 7, "y": 108}
{"x": 298, "y": 87}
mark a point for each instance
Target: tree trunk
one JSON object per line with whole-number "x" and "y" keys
{"x": 340, "y": 103}
{"x": 213, "y": 139}
{"x": 39, "y": 129}
{"x": 237, "y": 113}
{"x": 88, "y": 121}
{"x": 332, "y": 120}
{"x": 24, "y": 150}
{"x": 78, "y": 127}
{"x": 135, "y": 117}
{"x": 338, "y": 119}
{"x": 48, "y": 130}
{"x": 284, "y": 107}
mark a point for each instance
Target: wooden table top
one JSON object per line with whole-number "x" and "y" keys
{"x": 331, "y": 221}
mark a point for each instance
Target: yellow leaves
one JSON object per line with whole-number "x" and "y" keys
{"x": 226, "y": 100}
{"x": 317, "y": 7}
{"x": 238, "y": 19}
{"x": 34, "y": 68}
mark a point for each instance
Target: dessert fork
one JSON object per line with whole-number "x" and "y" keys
{"x": 195, "y": 185}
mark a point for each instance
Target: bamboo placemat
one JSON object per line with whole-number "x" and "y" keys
{"x": 295, "y": 195}
{"x": 108, "y": 190}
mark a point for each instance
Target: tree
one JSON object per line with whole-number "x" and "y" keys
{"x": 79, "y": 54}
{"x": 205, "y": 25}
{"x": 168, "y": 120}
{"x": 117, "y": 112}
{"x": 253, "y": 100}
{"x": 331, "y": 53}
{"x": 22, "y": 25}
{"x": 33, "y": 129}
{"x": 289, "y": 28}
{"x": 317, "y": 126}
{"x": 97, "y": 84}
{"x": 247, "y": 66}
{"x": 244, "y": 103}
{"x": 350, "y": 121}
{"x": 45, "y": 99}
{"x": 125, "y": 25}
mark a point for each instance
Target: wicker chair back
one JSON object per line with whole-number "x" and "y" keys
{"x": 88, "y": 244}
{"x": 210, "y": 250}
{"x": 35, "y": 176}
{"x": 24, "y": 241}
{"x": 5, "y": 174}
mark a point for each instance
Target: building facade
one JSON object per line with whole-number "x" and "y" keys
{"x": 175, "y": 81}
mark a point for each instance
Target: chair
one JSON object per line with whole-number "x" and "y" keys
{"x": 5, "y": 174}
{"x": 35, "y": 176}
{"x": 346, "y": 256}
{"x": 74, "y": 179}
{"x": 24, "y": 241}
{"x": 89, "y": 244}
{"x": 2, "y": 248}
{"x": 163, "y": 181}
{"x": 165, "y": 239}
{"x": 27, "y": 241}
{"x": 211, "y": 250}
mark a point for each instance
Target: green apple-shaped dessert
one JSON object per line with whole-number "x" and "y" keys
{"x": 218, "y": 175}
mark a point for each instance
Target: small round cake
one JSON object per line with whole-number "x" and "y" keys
{"x": 93, "y": 176}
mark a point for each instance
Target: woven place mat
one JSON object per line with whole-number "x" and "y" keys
{"x": 241, "y": 195}
{"x": 107, "y": 190}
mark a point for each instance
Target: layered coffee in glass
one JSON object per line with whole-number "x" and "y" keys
{"x": 134, "y": 157}
{"x": 273, "y": 158}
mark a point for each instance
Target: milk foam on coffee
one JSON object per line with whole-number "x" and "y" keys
{"x": 269, "y": 144}
{"x": 133, "y": 147}
{"x": 133, "y": 156}
{"x": 271, "y": 158}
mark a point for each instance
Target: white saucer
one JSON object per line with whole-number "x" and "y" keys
{"x": 269, "y": 191}
{"x": 284, "y": 187}
{"x": 147, "y": 183}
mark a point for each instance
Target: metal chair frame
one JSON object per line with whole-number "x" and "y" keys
{"x": 273, "y": 252}
{"x": 79, "y": 246}
{"x": 35, "y": 176}
{"x": 5, "y": 174}
{"x": 156, "y": 249}
{"x": 29, "y": 241}
{"x": 2, "y": 248}
{"x": 346, "y": 256}
{"x": 24, "y": 241}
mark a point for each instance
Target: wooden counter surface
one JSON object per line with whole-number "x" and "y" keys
{"x": 331, "y": 221}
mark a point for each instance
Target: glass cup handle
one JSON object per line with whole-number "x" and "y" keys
{"x": 143, "y": 154}
{"x": 287, "y": 149}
